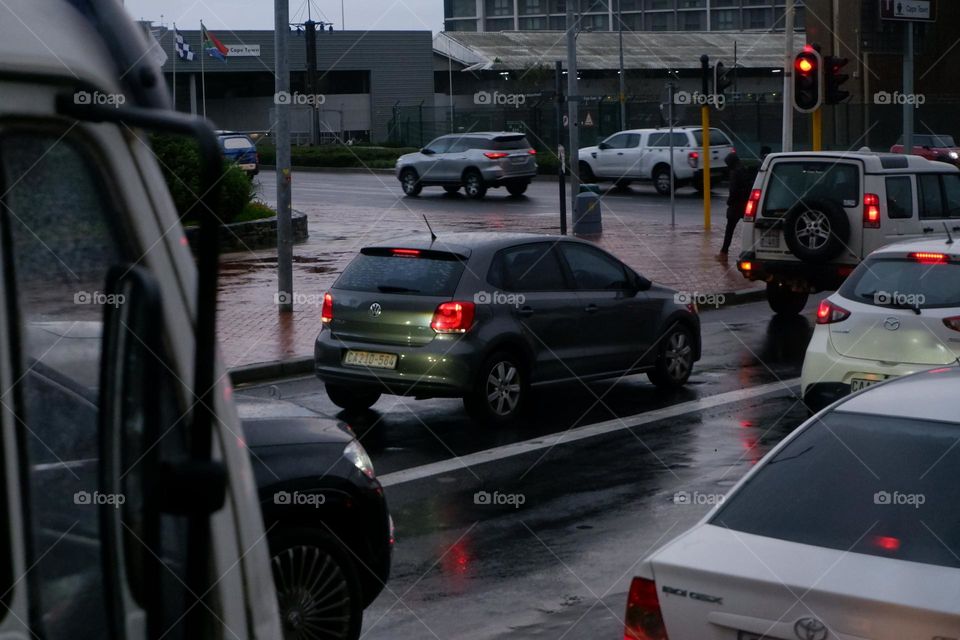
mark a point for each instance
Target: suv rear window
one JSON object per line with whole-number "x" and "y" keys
{"x": 381, "y": 271}
{"x": 237, "y": 142}
{"x": 789, "y": 182}
{"x": 896, "y": 282}
{"x": 862, "y": 483}
{"x": 509, "y": 143}
{"x": 717, "y": 138}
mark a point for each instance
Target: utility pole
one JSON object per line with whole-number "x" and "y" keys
{"x": 310, "y": 37}
{"x": 908, "y": 108}
{"x": 623, "y": 82}
{"x": 561, "y": 173}
{"x": 787, "y": 142}
{"x": 284, "y": 225}
{"x": 573, "y": 98}
{"x": 705, "y": 135}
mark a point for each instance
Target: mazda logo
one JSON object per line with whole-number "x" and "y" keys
{"x": 891, "y": 324}
{"x": 376, "y": 310}
{"x": 810, "y": 629}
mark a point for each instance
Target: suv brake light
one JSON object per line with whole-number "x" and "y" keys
{"x": 693, "y": 159}
{"x": 871, "y": 211}
{"x": 532, "y": 152}
{"x": 326, "y": 311}
{"x": 952, "y": 323}
{"x": 644, "y": 619}
{"x": 453, "y": 317}
{"x": 496, "y": 155}
{"x": 750, "y": 213}
{"x": 829, "y": 313}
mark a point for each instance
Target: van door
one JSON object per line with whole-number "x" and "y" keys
{"x": 939, "y": 205}
{"x": 107, "y": 561}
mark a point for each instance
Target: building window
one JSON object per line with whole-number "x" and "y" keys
{"x": 660, "y": 21}
{"x": 531, "y": 7}
{"x": 595, "y": 6}
{"x": 631, "y": 22}
{"x": 693, "y": 20}
{"x": 659, "y": 4}
{"x": 629, "y": 5}
{"x": 595, "y": 23}
{"x": 558, "y": 6}
{"x": 757, "y": 19}
{"x": 460, "y": 25}
{"x": 558, "y": 23}
{"x": 533, "y": 24}
{"x": 460, "y": 8}
{"x": 499, "y": 7}
{"x": 725, "y": 20}
{"x": 691, "y": 4}
{"x": 500, "y": 25}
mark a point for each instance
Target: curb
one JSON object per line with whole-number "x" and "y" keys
{"x": 270, "y": 167}
{"x": 263, "y": 371}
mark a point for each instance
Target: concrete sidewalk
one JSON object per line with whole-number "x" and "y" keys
{"x": 253, "y": 332}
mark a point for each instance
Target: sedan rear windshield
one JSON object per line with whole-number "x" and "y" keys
{"x": 791, "y": 182}
{"x": 869, "y": 484}
{"x": 887, "y": 282}
{"x": 405, "y": 272}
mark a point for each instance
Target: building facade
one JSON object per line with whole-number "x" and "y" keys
{"x": 606, "y": 15}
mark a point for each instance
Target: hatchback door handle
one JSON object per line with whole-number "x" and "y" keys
{"x": 591, "y": 308}
{"x": 526, "y": 312}
{"x": 928, "y": 229}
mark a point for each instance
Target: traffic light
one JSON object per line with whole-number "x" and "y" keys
{"x": 833, "y": 79}
{"x": 807, "y": 80}
{"x": 721, "y": 79}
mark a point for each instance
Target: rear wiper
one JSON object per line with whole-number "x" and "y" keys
{"x": 387, "y": 288}
{"x": 915, "y": 307}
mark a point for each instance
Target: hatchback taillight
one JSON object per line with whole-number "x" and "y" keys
{"x": 871, "y": 211}
{"x": 326, "y": 311}
{"x": 750, "y": 213}
{"x": 644, "y": 620}
{"x": 496, "y": 155}
{"x": 453, "y": 317}
{"x": 828, "y": 313}
{"x": 952, "y": 323}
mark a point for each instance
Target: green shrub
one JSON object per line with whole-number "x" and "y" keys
{"x": 255, "y": 210}
{"x": 180, "y": 163}
{"x": 338, "y": 156}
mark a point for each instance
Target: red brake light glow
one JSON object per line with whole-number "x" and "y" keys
{"x": 453, "y": 317}
{"x": 532, "y": 152}
{"x": 871, "y": 211}
{"x": 925, "y": 257}
{"x": 496, "y": 155}
{"x": 746, "y": 265}
{"x": 887, "y": 543}
{"x": 693, "y": 159}
{"x": 952, "y": 323}
{"x": 828, "y": 313}
{"x": 751, "y": 211}
{"x": 644, "y": 620}
{"x": 408, "y": 253}
{"x": 326, "y": 311}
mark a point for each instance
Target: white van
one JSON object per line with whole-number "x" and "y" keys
{"x": 813, "y": 216}
{"x": 126, "y": 492}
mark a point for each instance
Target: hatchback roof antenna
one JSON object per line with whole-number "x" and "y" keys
{"x": 949, "y": 235}
{"x": 433, "y": 236}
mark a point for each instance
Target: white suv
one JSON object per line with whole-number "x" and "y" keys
{"x": 644, "y": 154}
{"x": 813, "y": 216}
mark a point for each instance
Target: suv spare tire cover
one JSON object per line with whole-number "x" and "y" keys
{"x": 808, "y": 217}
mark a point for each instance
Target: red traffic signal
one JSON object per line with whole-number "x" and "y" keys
{"x": 807, "y": 80}
{"x": 833, "y": 80}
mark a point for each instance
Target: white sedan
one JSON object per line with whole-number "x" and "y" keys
{"x": 847, "y": 530}
{"x": 896, "y": 314}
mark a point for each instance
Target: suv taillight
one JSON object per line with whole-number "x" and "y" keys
{"x": 644, "y": 620}
{"x": 532, "y": 152}
{"x": 750, "y": 213}
{"x": 693, "y": 159}
{"x": 828, "y": 313}
{"x": 496, "y": 155}
{"x": 871, "y": 211}
{"x": 326, "y": 311}
{"x": 453, "y": 317}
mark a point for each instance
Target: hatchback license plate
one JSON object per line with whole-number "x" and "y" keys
{"x": 770, "y": 240}
{"x": 858, "y": 384}
{"x": 371, "y": 359}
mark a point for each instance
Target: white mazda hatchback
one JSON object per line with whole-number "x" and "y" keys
{"x": 847, "y": 530}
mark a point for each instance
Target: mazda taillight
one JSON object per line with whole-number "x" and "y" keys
{"x": 496, "y": 155}
{"x": 453, "y": 317}
{"x": 693, "y": 159}
{"x": 326, "y": 311}
{"x": 926, "y": 257}
{"x": 828, "y": 313}
{"x": 750, "y": 213}
{"x": 871, "y": 211}
{"x": 952, "y": 323}
{"x": 644, "y": 620}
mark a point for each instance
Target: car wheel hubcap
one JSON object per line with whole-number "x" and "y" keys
{"x": 313, "y": 594}
{"x": 663, "y": 182}
{"x": 813, "y": 229}
{"x": 503, "y": 388}
{"x": 409, "y": 182}
{"x": 679, "y": 355}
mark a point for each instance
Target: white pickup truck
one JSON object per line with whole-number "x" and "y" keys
{"x": 644, "y": 155}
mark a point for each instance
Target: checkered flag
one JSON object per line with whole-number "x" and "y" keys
{"x": 183, "y": 49}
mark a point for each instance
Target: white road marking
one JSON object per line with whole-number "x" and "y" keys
{"x": 582, "y": 433}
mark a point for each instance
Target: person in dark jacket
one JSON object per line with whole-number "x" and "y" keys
{"x": 741, "y": 181}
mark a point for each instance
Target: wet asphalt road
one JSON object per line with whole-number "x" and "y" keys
{"x": 559, "y": 564}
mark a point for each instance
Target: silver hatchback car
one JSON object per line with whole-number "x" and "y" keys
{"x": 473, "y": 161}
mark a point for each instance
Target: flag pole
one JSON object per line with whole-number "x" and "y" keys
{"x": 203, "y": 76}
{"x": 175, "y": 56}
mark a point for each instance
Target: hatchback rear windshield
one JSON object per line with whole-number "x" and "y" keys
{"x": 791, "y": 182}
{"x": 376, "y": 271}
{"x": 509, "y": 143}
{"x": 717, "y": 138}
{"x": 904, "y": 283}
{"x": 868, "y": 484}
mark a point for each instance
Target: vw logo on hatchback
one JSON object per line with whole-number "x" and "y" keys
{"x": 376, "y": 310}
{"x": 810, "y": 629}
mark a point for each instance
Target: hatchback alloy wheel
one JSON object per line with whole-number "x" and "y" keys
{"x": 500, "y": 391}
{"x": 675, "y": 362}
{"x": 503, "y": 388}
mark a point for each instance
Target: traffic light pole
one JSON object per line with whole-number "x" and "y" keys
{"x": 908, "y": 108}
{"x": 787, "y": 141}
{"x": 818, "y": 129}
{"x": 705, "y": 117}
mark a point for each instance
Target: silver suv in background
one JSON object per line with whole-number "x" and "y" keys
{"x": 473, "y": 161}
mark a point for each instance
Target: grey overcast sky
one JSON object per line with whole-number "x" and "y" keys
{"x": 258, "y": 14}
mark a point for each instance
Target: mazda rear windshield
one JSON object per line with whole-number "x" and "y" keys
{"x": 904, "y": 283}
{"x": 403, "y": 271}
{"x": 867, "y": 484}
{"x": 811, "y": 181}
